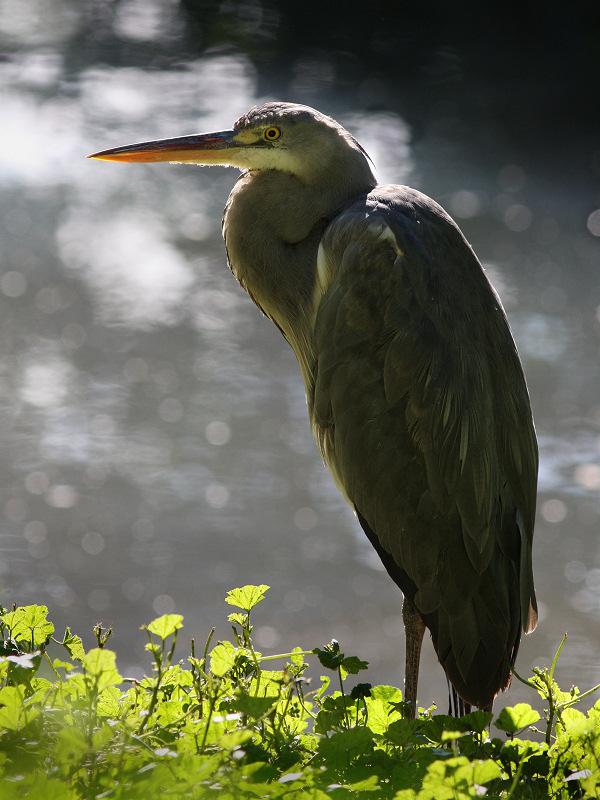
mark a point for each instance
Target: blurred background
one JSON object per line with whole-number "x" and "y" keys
{"x": 155, "y": 450}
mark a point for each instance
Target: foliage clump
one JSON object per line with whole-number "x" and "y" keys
{"x": 226, "y": 725}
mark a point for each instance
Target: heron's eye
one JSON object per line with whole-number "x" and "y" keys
{"x": 271, "y": 134}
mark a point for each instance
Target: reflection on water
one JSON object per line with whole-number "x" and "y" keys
{"x": 154, "y": 437}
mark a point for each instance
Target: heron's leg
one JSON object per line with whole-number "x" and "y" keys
{"x": 414, "y": 628}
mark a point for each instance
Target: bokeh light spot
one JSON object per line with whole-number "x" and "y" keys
{"x": 266, "y": 636}
{"x": 61, "y": 496}
{"x": 132, "y": 589}
{"x": 588, "y": 476}
{"x": 13, "y": 284}
{"x": 517, "y": 218}
{"x": 93, "y": 543}
{"x": 511, "y": 178}
{"x": 98, "y": 599}
{"x": 554, "y": 510}
{"x": 593, "y": 223}
{"x": 216, "y": 495}
{"x": 305, "y": 518}
{"x": 36, "y": 482}
{"x": 35, "y": 531}
{"x": 170, "y": 409}
{"x": 217, "y": 432}
{"x": 464, "y": 204}
{"x": 575, "y": 571}
{"x": 163, "y": 604}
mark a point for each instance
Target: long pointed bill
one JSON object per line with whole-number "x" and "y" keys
{"x": 205, "y": 148}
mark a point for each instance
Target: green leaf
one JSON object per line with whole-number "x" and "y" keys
{"x": 71, "y": 745}
{"x": 477, "y": 721}
{"x": 109, "y": 704}
{"x": 354, "y": 665}
{"x": 238, "y": 619}
{"x": 154, "y": 648}
{"x": 58, "y": 663}
{"x": 370, "y": 784}
{"x": 41, "y": 686}
{"x": 343, "y": 746}
{"x": 43, "y": 788}
{"x": 361, "y": 691}
{"x": 253, "y": 707}
{"x": 433, "y": 728}
{"x": 325, "y": 681}
{"x": 589, "y": 783}
{"x": 222, "y": 659}
{"x": 100, "y": 664}
{"x": 258, "y": 773}
{"x": 169, "y": 711}
{"x": 387, "y": 694}
{"x": 165, "y": 626}
{"x": 380, "y": 710}
{"x": 74, "y": 645}
{"x": 332, "y": 713}
{"x": 330, "y": 656}
{"x": 15, "y": 713}
{"x": 451, "y": 736}
{"x": 576, "y": 725}
{"x": 444, "y": 777}
{"x": 486, "y": 771}
{"x": 234, "y": 739}
{"x": 517, "y": 751}
{"x": 23, "y": 667}
{"x": 29, "y": 624}
{"x": 102, "y": 735}
{"x": 247, "y": 596}
{"x": 400, "y": 732}
{"x": 239, "y": 731}
{"x": 176, "y": 676}
{"x": 513, "y": 719}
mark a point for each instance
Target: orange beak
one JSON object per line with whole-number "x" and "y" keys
{"x": 201, "y": 148}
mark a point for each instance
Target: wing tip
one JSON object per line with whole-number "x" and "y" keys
{"x": 532, "y": 619}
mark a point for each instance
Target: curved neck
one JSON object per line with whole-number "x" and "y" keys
{"x": 272, "y": 225}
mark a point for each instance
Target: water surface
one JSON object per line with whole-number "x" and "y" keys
{"x": 155, "y": 446}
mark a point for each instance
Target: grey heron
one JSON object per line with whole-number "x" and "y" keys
{"x": 416, "y": 394}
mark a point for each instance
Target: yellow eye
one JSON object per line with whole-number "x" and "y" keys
{"x": 272, "y": 134}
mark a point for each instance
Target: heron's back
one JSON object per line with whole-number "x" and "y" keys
{"x": 419, "y": 405}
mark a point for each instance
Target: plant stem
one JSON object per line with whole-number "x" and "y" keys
{"x": 343, "y": 696}
{"x": 513, "y": 786}
{"x": 287, "y": 655}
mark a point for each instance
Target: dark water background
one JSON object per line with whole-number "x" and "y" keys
{"x": 155, "y": 450}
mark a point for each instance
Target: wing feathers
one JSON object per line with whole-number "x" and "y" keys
{"x": 421, "y": 411}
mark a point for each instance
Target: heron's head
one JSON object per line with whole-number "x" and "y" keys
{"x": 281, "y": 136}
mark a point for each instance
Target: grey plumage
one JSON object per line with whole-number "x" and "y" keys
{"x": 416, "y": 395}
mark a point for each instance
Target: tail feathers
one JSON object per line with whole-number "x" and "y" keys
{"x": 528, "y": 600}
{"x": 457, "y": 707}
{"x": 478, "y": 648}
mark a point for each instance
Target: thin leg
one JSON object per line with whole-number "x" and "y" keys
{"x": 414, "y": 628}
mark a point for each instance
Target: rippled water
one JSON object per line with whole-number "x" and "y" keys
{"x": 155, "y": 445}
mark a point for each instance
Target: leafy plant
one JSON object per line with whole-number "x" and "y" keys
{"x": 226, "y": 724}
